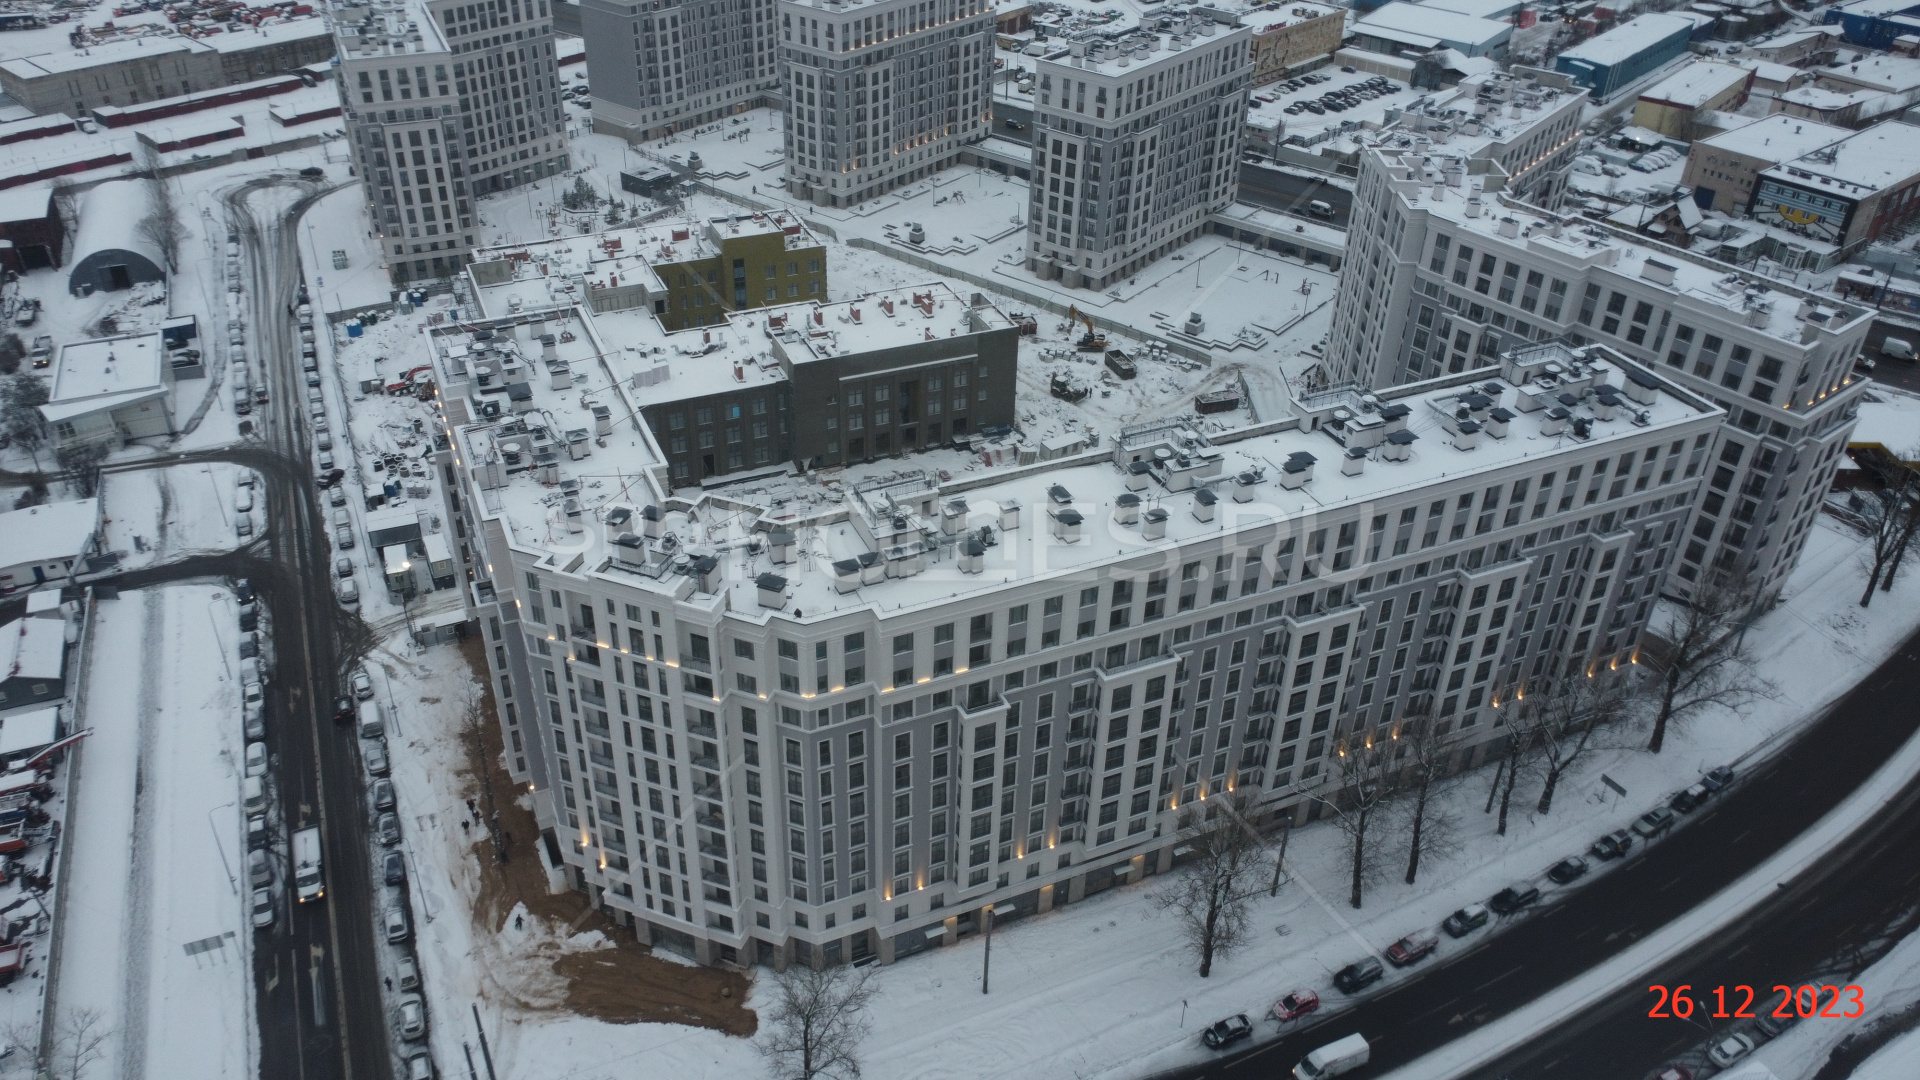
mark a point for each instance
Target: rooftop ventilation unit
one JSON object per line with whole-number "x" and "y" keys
{"x": 1126, "y": 509}
{"x": 1399, "y": 446}
{"x": 1203, "y": 503}
{"x": 772, "y": 590}
{"x": 780, "y": 545}
{"x": 1297, "y": 471}
{"x": 1153, "y": 524}
{"x": 1467, "y": 435}
{"x": 972, "y": 556}
{"x": 1009, "y": 515}
{"x": 619, "y": 522}
{"x": 652, "y": 522}
{"x": 953, "y": 517}
{"x": 1555, "y": 422}
{"x": 1354, "y": 462}
{"x": 1246, "y": 485}
{"x": 1067, "y": 524}
{"x": 1137, "y": 475}
{"x": 1641, "y": 387}
{"x": 1497, "y": 421}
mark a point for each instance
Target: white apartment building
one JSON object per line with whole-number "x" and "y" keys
{"x": 446, "y": 101}
{"x": 882, "y": 93}
{"x": 834, "y": 729}
{"x": 1444, "y": 272}
{"x": 661, "y": 66}
{"x": 1527, "y": 121}
{"x": 1136, "y": 141}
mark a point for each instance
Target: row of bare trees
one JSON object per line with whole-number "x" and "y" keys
{"x": 1385, "y": 792}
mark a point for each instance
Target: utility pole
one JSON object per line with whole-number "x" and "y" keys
{"x": 1280, "y": 860}
{"x": 986, "y": 961}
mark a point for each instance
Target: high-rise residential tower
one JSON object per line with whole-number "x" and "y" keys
{"x": 883, "y": 93}
{"x": 444, "y": 102}
{"x": 1136, "y": 141}
{"x": 661, "y": 66}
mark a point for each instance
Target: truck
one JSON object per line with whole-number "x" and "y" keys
{"x": 1334, "y": 1059}
{"x": 308, "y": 882}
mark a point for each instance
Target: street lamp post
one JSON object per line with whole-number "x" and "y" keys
{"x": 986, "y": 961}
{"x": 221, "y": 848}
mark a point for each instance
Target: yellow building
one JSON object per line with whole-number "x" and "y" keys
{"x": 1293, "y": 37}
{"x": 732, "y": 264}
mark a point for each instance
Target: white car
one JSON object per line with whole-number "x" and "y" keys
{"x": 254, "y": 721}
{"x": 343, "y": 566}
{"x": 406, "y": 973}
{"x": 362, "y": 684}
{"x": 347, "y": 591}
{"x": 413, "y": 1018}
{"x": 397, "y": 926}
{"x": 256, "y": 759}
{"x": 1729, "y": 1050}
{"x": 262, "y": 908}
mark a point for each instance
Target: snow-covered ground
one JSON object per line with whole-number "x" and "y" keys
{"x": 1892, "y": 983}
{"x": 1097, "y": 988}
{"x": 157, "y": 938}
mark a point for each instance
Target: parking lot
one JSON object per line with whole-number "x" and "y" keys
{"x": 1307, "y": 105}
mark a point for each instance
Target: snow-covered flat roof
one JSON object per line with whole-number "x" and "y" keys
{"x": 106, "y": 368}
{"x": 1697, "y": 83}
{"x": 26, "y": 203}
{"x": 48, "y": 532}
{"x": 33, "y": 649}
{"x": 26, "y": 731}
{"x": 1886, "y": 424}
{"x": 1631, "y": 38}
{"x": 1874, "y": 8}
{"x": 1884, "y": 156}
{"x": 1879, "y": 72}
{"x": 1768, "y": 306}
{"x": 112, "y": 52}
{"x": 1779, "y": 137}
{"x": 1436, "y": 23}
{"x": 388, "y": 28}
{"x": 1479, "y": 9}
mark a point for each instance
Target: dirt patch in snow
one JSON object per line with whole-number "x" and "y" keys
{"x": 614, "y": 977}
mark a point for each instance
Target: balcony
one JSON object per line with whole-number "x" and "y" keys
{"x": 702, "y": 728}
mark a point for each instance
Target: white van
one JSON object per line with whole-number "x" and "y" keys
{"x": 253, "y": 794}
{"x": 373, "y": 723}
{"x": 1320, "y": 208}
{"x": 1898, "y": 348}
{"x": 1334, "y": 1059}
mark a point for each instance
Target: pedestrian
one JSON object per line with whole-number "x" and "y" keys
{"x": 389, "y": 981}
{"x": 464, "y": 824}
{"x": 519, "y": 922}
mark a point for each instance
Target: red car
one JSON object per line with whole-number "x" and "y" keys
{"x": 1296, "y": 1005}
{"x": 1412, "y": 948}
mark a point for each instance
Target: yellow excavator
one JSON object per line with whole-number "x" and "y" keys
{"x": 1093, "y": 340}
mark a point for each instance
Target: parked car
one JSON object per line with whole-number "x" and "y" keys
{"x": 1771, "y": 1025}
{"x": 362, "y": 684}
{"x": 1613, "y": 845}
{"x": 1571, "y": 868}
{"x": 388, "y": 829}
{"x": 1226, "y": 1032}
{"x": 336, "y": 496}
{"x": 331, "y": 477}
{"x": 1689, "y": 800}
{"x": 1730, "y": 1050}
{"x": 256, "y": 759}
{"x": 343, "y": 537}
{"x": 1413, "y": 948}
{"x": 257, "y": 834}
{"x": 347, "y": 591}
{"x": 262, "y": 908}
{"x": 312, "y": 172}
{"x": 374, "y": 753}
{"x": 420, "y": 1066}
{"x": 1513, "y": 898}
{"x": 1467, "y": 920}
{"x": 343, "y": 566}
{"x": 1654, "y": 822}
{"x": 1717, "y": 778}
{"x": 253, "y": 722}
{"x": 259, "y": 869}
{"x": 1358, "y": 976}
{"x": 383, "y": 794}
{"x": 398, "y": 928}
{"x": 393, "y": 868}
{"x": 1296, "y": 1005}
{"x": 413, "y": 1018}
{"x": 243, "y": 589}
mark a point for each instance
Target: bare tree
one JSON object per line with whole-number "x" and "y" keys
{"x": 1423, "y": 775}
{"x": 21, "y": 395}
{"x": 1561, "y": 720}
{"x": 1891, "y": 518}
{"x": 162, "y": 226}
{"x": 1700, "y": 659}
{"x": 818, "y": 1022}
{"x": 1357, "y": 786}
{"x": 1520, "y": 743}
{"x": 80, "y": 464}
{"x": 1209, "y": 896}
{"x": 76, "y": 1041}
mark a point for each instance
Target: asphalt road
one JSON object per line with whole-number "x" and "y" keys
{"x": 1472, "y": 983}
{"x": 1892, "y": 371}
{"x": 321, "y": 1012}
